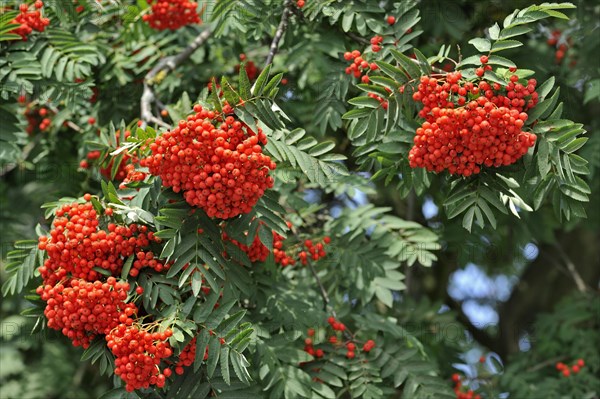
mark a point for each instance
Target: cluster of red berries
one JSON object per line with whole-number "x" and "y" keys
{"x": 138, "y": 353}
{"x": 382, "y": 101}
{"x": 561, "y": 46}
{"x": 281, "y": 256}
{"x": 338, "y": 327}
{"x": 308, "y": 345}
{"x": 30, "y": 20}
{"x": 126, "y": 172}
{"x": 471, "y": 125}
{"x": 37, "y": 118}
{"x": 216, "y": 160}
{"x": 90, "y": 157}
{"x": 172, "y": 14}
{"x": 258, "y": 252}
{"x": 575, "y": 368}
{"x": 376, "y": 43}
{"x": 82, "y": 309}
{"x": 77, "y": 245}
{"x": 316, "y": 251}
{"x": 83, "y": 304}
{"x": 359, "y": 65}
{"x": 460, "y": 393}
{"x": 187, "y": 356}
{"x": 251, "y": 69}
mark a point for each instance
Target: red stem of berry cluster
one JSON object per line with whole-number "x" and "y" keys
{"x": 166, "y": 64}
{"x": 287, "y": 5}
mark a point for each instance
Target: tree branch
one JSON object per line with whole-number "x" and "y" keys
{"x": 287, "y": 5}
{"x": 571, "y": 268}
{"x": 324, "y": 293}
{"x": 165, "y": 65}
{"x": 357, "y": 38}
{"x": 478, "y": 335}
{"x": 546, "y": 363}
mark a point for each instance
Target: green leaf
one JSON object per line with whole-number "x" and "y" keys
{"x": 272, "y": 85}
{"x": 494, "y": 31}
{"x": 225, "y": 364}
{"x": 483, "y": 45}
{"x": 573, "y": 145}
{"x": 545, "y": 88}
{"x": 467, "y": 222}
{"x": 395, "y": 73}
{"x": 219, "y": 314}
{"x": 505, "y": 44}
{"x": 196, "y": 283}
{"x": 542, "y": 156}
{"x": 214, "y": 347}
{"x": 201, "y": 342}
{"x": 227, "y": 325}
{"x": 497, "y": 60}
{"x": 244, "y": 88}
{"x": 365, "y": 102}
{"x": 259, "y": 85}
{"x": 514, "y": 31}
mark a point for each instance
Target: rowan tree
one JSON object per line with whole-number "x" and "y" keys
{"x": 277, "y": 198}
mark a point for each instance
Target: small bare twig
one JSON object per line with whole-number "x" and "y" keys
{"x": 166, "y": 64}
{"x": 326, "y": 302}
{"x": 324, "y": 293}
{"x": 287, "y": 5}
{"x": 69, "y": 123}
{"x": 357, "y": 38}
{"x": 546, "y": 363}
{"x": 581, "y": 286}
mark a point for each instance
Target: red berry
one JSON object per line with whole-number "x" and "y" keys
{"x": 391, "y": 20}
{"x": 171, "y": 14}
{"x": 484, "y": 59}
